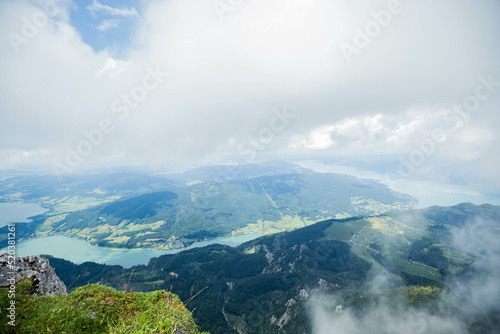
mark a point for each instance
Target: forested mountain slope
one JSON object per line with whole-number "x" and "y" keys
{"x": 268, "y": 284}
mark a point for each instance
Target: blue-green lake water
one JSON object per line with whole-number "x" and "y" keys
{"x": 79, "y": 251}
{"x": 18, "y": 212}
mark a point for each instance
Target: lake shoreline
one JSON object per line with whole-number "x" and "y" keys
{"x": 140, "y": 249}
{"x": 79, "y": 251}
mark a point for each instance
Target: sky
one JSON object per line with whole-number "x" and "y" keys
{"x": 169, "y": 83}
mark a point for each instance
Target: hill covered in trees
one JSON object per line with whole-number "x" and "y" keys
{"x": 195, "y": 205}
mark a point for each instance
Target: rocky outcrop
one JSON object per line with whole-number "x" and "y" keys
{"x": 36, "y": 268}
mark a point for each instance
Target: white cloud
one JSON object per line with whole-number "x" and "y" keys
{"x": 226, "y": 77}
{"x": 364, "y": 132}
{"x": 108, "y": 24}
{"x": 11, "y": 159}
{"x": 57, "y": 9}
{"x": 319, "y": 139}
{"x": 477, "y": 136}
{"x": 96, "y": 6}
{"x": 113, "y": 67}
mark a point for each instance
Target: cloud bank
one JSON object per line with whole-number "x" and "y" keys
{"x": 468, "y": 303}
{"x": 226, "y": 76}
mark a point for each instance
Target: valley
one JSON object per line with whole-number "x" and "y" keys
{"x": 267, "y": 284}
{"x": 309, "y": 240}
{"x": 147, "y": 211}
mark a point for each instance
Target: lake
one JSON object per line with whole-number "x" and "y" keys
{"x": 18, "y": 212}
{"x": 428, "y": 193}
{"x": 79, "y": 251}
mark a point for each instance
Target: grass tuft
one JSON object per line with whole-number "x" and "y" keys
{"x": 97, "y": 309}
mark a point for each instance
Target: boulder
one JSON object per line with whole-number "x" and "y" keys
{"x": 36, "y": 268}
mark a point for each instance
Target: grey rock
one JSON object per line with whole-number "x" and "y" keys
{"x": 45, "y": 280}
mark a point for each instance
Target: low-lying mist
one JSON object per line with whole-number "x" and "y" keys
{"x": 468, "y": 302}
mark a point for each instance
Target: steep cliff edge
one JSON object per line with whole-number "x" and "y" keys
{"x": 38, "y": 303}
{"x": 35, "y": 268}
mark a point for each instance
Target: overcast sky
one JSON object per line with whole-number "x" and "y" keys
{"x": 335, "y": 79}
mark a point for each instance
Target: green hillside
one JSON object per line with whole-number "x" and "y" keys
{"x": 96, "y": 309}
{"x": 176, "y": 216}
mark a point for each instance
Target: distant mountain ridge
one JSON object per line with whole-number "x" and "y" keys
{"x": 130, "y": 210}
{"x": 278, "y": 203}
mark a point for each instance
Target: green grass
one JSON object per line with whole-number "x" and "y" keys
{"x": 362, "y": 204}
{"x": 416, "y": 269}
{"x": 345, "y": 231}
{"x": 116, "y": 238}
{"x": 286, "y": 223}
{"x": 361, "y": 233}
{"x": 47, "y": 225}
{"x": 377, "y": 269}
{"x": 97, "y": 309}
{"x": 76, "y": 203}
